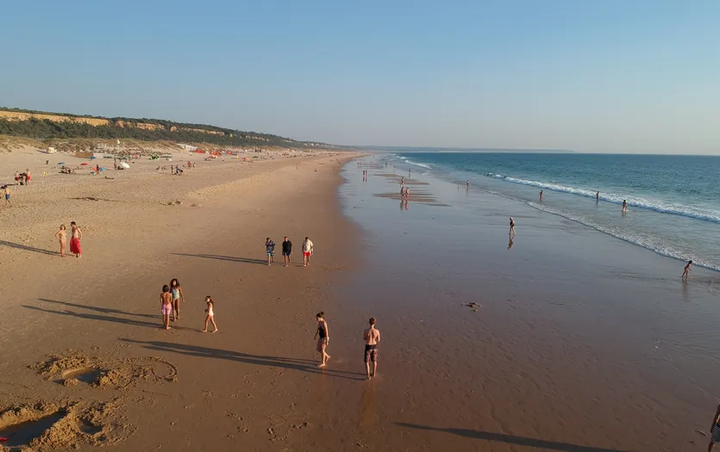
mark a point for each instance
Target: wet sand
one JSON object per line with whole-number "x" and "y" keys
{"x": 576, "y": 342}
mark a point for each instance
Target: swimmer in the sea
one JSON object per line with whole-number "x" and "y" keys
{"x": 686, "y": 271}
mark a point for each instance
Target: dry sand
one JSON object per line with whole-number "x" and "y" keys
{"x": 85, "y": 362}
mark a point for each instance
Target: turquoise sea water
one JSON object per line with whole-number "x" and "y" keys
{"x": 674, "y": 201}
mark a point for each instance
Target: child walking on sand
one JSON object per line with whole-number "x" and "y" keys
{"x": 61, "y": 236}
{"x": 210, "y": 318}
{"x": 322, "y": 335}
{"x": 177, "y": 294}
{"x": 166, "y": 303}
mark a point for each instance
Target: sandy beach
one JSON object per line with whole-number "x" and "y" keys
{"x": 564, "y": 340}
{"x": 128, "y": 383}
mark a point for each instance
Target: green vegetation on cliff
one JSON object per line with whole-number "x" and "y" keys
{"x": 16, "y": 122}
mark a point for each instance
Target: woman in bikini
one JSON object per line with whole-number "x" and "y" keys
{"x": 177, "y": 294}
{"x": 322, "y": 335}
{"x": 61, "y": 236}
{"x": 210, "y": 317}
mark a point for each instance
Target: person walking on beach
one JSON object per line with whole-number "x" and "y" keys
{"x": 467, "y": 185}
{"x": 61, "y": 237}
{"x": 210, "y": 317}
{"x": 166, "y": 305}
{"x": 307, "y": 250}
{"x": 270, "y": 249}
{"x": 27, "y": 177}
{"x": 715, "y": 430}
{"x": 402, "y": 181}
{"x": 686, "y": 271}
{"x": 371, "y": 336}
{"x": 17, "y": 177}
{"x": 322, "y": 335}
{"x": 512, "y": 228}
{"x": 75, "y": 239}
{"x": 541, "y": 195}
{"x": 7, "y": 194}
{"x": 177, "y": 294}
{"x": 624, "y": 208}
{"x": 286, "y": 250}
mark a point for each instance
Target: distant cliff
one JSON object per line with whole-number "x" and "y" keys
{"x": 47, "y": 126}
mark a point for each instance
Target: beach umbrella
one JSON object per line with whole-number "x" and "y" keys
{"x": 84, "y": 164}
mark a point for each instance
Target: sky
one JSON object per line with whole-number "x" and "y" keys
{"x": 633, "y": 76}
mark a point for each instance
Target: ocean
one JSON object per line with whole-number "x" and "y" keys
{"x": 674, "y": 201}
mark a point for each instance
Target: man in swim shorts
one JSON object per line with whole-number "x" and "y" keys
{"x": 371, "y": 336}
{"x": 270, "y": 248}
{"x": 307, "y": 250}
{"x": 286, "y": 250}
{"x": 7, "y": 194}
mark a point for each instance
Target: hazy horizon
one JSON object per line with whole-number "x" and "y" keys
{"x": 596, "y": 76}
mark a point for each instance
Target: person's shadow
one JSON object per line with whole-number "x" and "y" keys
{"x": 303, "y": 365}
{"x": 512, "y": 439}
{"x": 244, "y": 260}
{"x": 27, "y": 248}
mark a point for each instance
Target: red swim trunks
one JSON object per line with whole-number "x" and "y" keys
{"x": 75, "y": 246}
{"x": 306, "y": 254}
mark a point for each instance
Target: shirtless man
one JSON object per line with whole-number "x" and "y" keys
{"x": 512, "y": 228}
{"x": 597, "y": 197}
{"x": 7, "y": 194}
{"x": 541, "y": 195}
{"x": 371, "y": 336}
{"x": 75, "y": 240}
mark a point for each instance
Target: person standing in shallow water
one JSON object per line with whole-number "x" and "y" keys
{"x": 686, "y": 271}
{"x": 624, "y": 208}
{"x": 371, "y": 336}
{"x": 512, "y": 227}
{"x": 597, "y": 197}
{"x": 322, "y": 335}
{"x": 541, "y": 195}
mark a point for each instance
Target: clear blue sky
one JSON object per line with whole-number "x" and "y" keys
{"x": 588, "y": 75}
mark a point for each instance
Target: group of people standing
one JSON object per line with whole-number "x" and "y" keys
{"x": 307, "y": 250}
{"x": 76, "y": 235}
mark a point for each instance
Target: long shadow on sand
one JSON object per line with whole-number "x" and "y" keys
{"x": 99, "y": 309}
{"x": 107, "y": 318}
{"x": 258, "y": 360}
{"x": 27, "y": 248}
{"x": 511, "y": 439}
{"x": 244, "y": 260}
